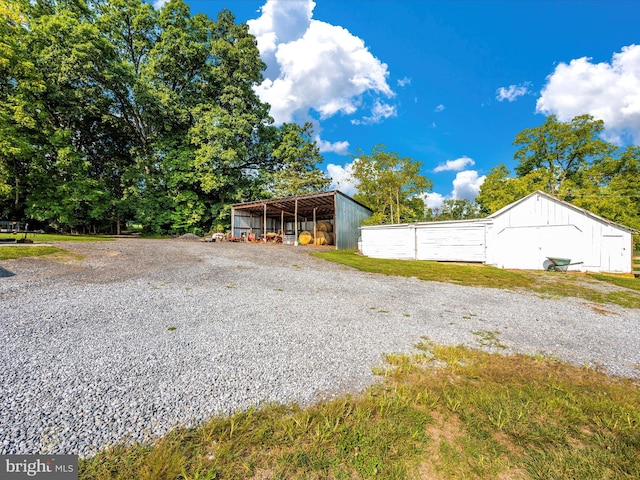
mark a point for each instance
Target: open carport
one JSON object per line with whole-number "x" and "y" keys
{"x": 292, "y": 215}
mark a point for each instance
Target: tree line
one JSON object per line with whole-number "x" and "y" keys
{"x": 569, "y": 160}
{"x": 113, "y": 112}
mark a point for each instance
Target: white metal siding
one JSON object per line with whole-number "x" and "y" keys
{"x": 394, "y": 241}
{"x": 520, "y": 236}
{"x": 451, "y": 242}
{"x": 528, "y": 247}
{"x": 539, "y": 227}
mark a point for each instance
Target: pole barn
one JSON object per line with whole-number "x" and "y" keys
{"x": 298, "y": 214}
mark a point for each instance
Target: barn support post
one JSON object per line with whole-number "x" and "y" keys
{"x": 295, "y": 223}
{"x": 233, "y": 216}
{"x": 282, "y": 232}
{"x": 314, "y": 225}
{"x": 264, "y": 223}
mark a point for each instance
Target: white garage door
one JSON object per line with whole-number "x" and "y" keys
{"x": 451, "y": 243}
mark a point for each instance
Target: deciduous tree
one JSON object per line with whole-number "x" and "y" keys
{"x": 390, "y": 185}
{"x": 297, "y": 157}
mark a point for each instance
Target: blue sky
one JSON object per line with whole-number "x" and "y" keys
{"x": 449, "y": 83}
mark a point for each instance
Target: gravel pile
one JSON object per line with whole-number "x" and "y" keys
{"x": 139, "y": 336}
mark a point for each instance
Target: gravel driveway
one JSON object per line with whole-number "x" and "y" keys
{"x": 139, "y": 336}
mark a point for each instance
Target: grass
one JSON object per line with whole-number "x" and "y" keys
{"x": 555, "y": 284}
{"x": 626, "y": 282}
{"x": 48, "y": 237}
{"x": 441, "y": 412}
{"x": 8, "y": 253}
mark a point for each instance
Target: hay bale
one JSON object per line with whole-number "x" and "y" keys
{"x": 324, "y": 238}
{"x": 305, "y": 238}
{"x": 324, "y": 226}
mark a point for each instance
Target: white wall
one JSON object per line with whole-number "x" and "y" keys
{"x": 523, "y": 236}
{"x": 389, "y": 241}
{"x": 451, "y": 241}
{"x": 520, "y": 236}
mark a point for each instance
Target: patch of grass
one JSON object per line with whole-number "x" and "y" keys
{"x": 440, "y": 412}
{"x": 555, "y": 284}
{"x": 11, "y": 252}
{"x": 488, "y": 339}
{"x": 48, "y": 237}
{"x": 626, "y": 282}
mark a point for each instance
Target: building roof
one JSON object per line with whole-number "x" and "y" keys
{"x": 323, "y": 203}
{"x": 509, "y": 207}
{"x": 566, "y": 204}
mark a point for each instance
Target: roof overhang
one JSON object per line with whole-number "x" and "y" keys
{"x": 324, "y": 204}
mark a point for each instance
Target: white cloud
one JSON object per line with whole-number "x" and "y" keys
{"x": 403, "y": 82}
{"x": 512, "y": 92}
{"x": 341, "y": 178}
{"x": 439, "y": 108}
{"x": 341, "y": 148}
{"x": 434, "y": 200}
{"x": 158, "y": 4}
{"x": 608, "y": 91}
{"x": 454, "y": 165}
{"x": 379, "y": 112}
{"x": 466, "y": 185}
{"x": 313, "y": 65}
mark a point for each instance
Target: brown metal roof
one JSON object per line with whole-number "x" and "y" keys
{"x": 324, "y": 204}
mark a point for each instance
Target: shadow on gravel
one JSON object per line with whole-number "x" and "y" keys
{"x": 6, "y": 273}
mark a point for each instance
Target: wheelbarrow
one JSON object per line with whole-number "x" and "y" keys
{"x": 560, "y": 264}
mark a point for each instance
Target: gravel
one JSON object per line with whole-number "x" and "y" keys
{"x": 128, "y": 339}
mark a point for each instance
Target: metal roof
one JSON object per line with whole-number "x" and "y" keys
{"x": 323, "y": 203}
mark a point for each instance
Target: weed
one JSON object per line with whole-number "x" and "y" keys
{"x": 489, "y": 339}
{"x": 171, "y": 329}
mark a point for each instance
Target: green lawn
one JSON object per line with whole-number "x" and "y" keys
{"x": 48, "y": 237}
{"x": 570, "y": 284}
{"x": 11, "y": 252}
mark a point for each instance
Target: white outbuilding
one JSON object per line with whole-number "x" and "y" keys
{"x": 523, "y": 235}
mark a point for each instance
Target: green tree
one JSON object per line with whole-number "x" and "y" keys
{"x": 458, "y": 209}
{"x": 500, "y": 189}
{"x": 612, "y": 188}
{"x": 569, "y": 160}
{"x": 563, "y": 149}
{"x": 110, "y": 110}
{"x": 390, "y": 185}
{"x": 19, "y": 82}
{"x": 297, "y": 156}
